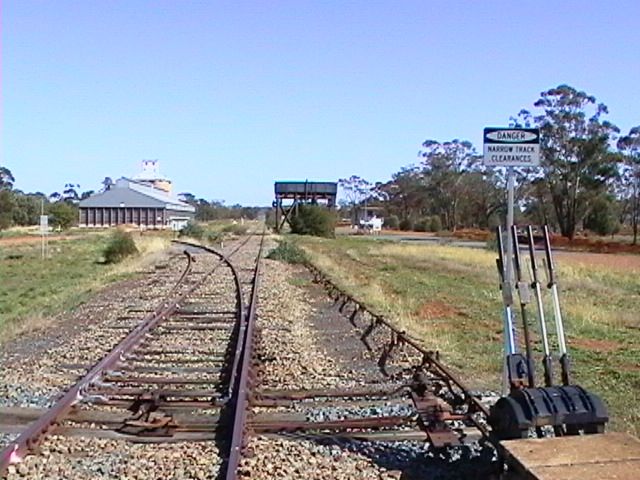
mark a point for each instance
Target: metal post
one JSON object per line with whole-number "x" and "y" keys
{"x": 553, "y": 286}
{"x": 508, "y": 281}
{"x": 523, "y": 293}
{"x": 41, "y": 229}
{"x": 510, "y": 188}
{"x": 547, "y": 361}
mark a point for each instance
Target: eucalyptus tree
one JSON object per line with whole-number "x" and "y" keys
{"x": 70, "y": 193}
{"x": 629, "y": 146}
{"x": 576, "y": 159}
{"x": 443, "y": 167}
{"x": 107, "y": 183}
{"x": 6, "y": 179}
{"x": 484, "y": 201}
{"x": 356, "y": 191}
{"x": 404, "y": 194}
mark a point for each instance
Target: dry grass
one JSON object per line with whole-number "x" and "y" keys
{"x": 35, "y": 290}
{"x": 31, "y": 322}
{"x": 151, "y": 251}
{"x": 448, "y": 297}
{"x": 357, "y": 278}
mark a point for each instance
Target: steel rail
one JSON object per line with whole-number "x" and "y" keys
{"x": 244, "y": 382}
{"x": 429, "y": 357}
{"x": 241, "y": 312}
{"x": 30, "y": 437}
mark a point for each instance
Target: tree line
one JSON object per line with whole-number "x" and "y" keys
{"x": 21, "y": 208}
{"x": 588, "y": 178}
{"x": 208, "y": 210}
{"x": 24, "y": 209}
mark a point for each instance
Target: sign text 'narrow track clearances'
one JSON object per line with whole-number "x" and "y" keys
{"x": 511, "y": 147}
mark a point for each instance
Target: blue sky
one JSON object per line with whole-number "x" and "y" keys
{"x": 231, "y": 96}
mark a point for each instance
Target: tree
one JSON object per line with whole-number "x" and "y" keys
{"x": 107, "y": 183}
{"x": 444, "y": 166}
{"x": 70, "y": 194}
{"x": 86, "y": 194}
{"x": 577, "y": 163}
{"x": 482, "y": 200}
{"x": 405, "y": 194}
{"x": 602, "y": 218}
{"x": 356, "y": 190}
{"x": 188, "y": 198}
{"x": 537, "y": 203}
{"x": 314, "y": 220}
{"x": 27, "y": 209}
{"x": 63, "y": 215}
{"x": 629, "y": 146}
{"x": 7, "y": 206}
{"x": 6, "y": 179}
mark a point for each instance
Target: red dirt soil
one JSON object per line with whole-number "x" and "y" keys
{"x": 595, "y": 345}
{"x": 619, "y": 262}
{"x": 437, "y": 309}
{"x": 596, "y": 245}
{"x": 29, "y": 239}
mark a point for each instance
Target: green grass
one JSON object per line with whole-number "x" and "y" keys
{"x": 448, "y": 298}
{"x": 298, "y": 282}
{"x": 288, "y": 252}
{"x": 33, "y": 289}
{"x": 216, "y": 231}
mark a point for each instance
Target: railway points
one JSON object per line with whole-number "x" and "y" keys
{"x": 232, "y": 373}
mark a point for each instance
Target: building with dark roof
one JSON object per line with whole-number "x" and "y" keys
{"x": 134, "y": 202}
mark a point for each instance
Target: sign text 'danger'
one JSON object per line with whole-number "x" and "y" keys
{"x": 511, "y": 147}
{"x": 511, "y": 136}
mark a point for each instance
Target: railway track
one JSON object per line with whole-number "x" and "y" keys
{"x": 381, "y": 406}
{"x": 237, "y": 374}
{"x": 380, "y": 401}
{"x": 170, "y": 380}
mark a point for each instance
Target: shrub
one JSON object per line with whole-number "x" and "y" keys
{"x": 120, "y": 246}
{"x": 7, "y": 206}
{"x": 422, "y": 225}
{"x": 270, "y": 219}
{"x": 391, "y": 221}
{"x": 435, "y": 224}
{"x": 314, "y": 220}
{"x": 491, "y": 243}
{"x": 63, "y": 215}
{"x": 288, "y": 252}
{"x": 235, "y": 228}
{"x": 192, "y": 230}
{"x": 603, "y": 217}
{"x": 406, "y": 225}
{"x": 214, "y": 237}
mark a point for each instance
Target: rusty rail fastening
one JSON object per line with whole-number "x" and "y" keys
{"x": 35, "y": 433}
{"x": 430, "y": 359}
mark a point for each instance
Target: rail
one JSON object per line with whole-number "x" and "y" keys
{"x": 244, "y": 384}
{"x": 35, "y": 433}
{"x": 430, "y": 358}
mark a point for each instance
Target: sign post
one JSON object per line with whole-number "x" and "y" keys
{"x": 44, "y": 231}
{"x": 510, "y": 148}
